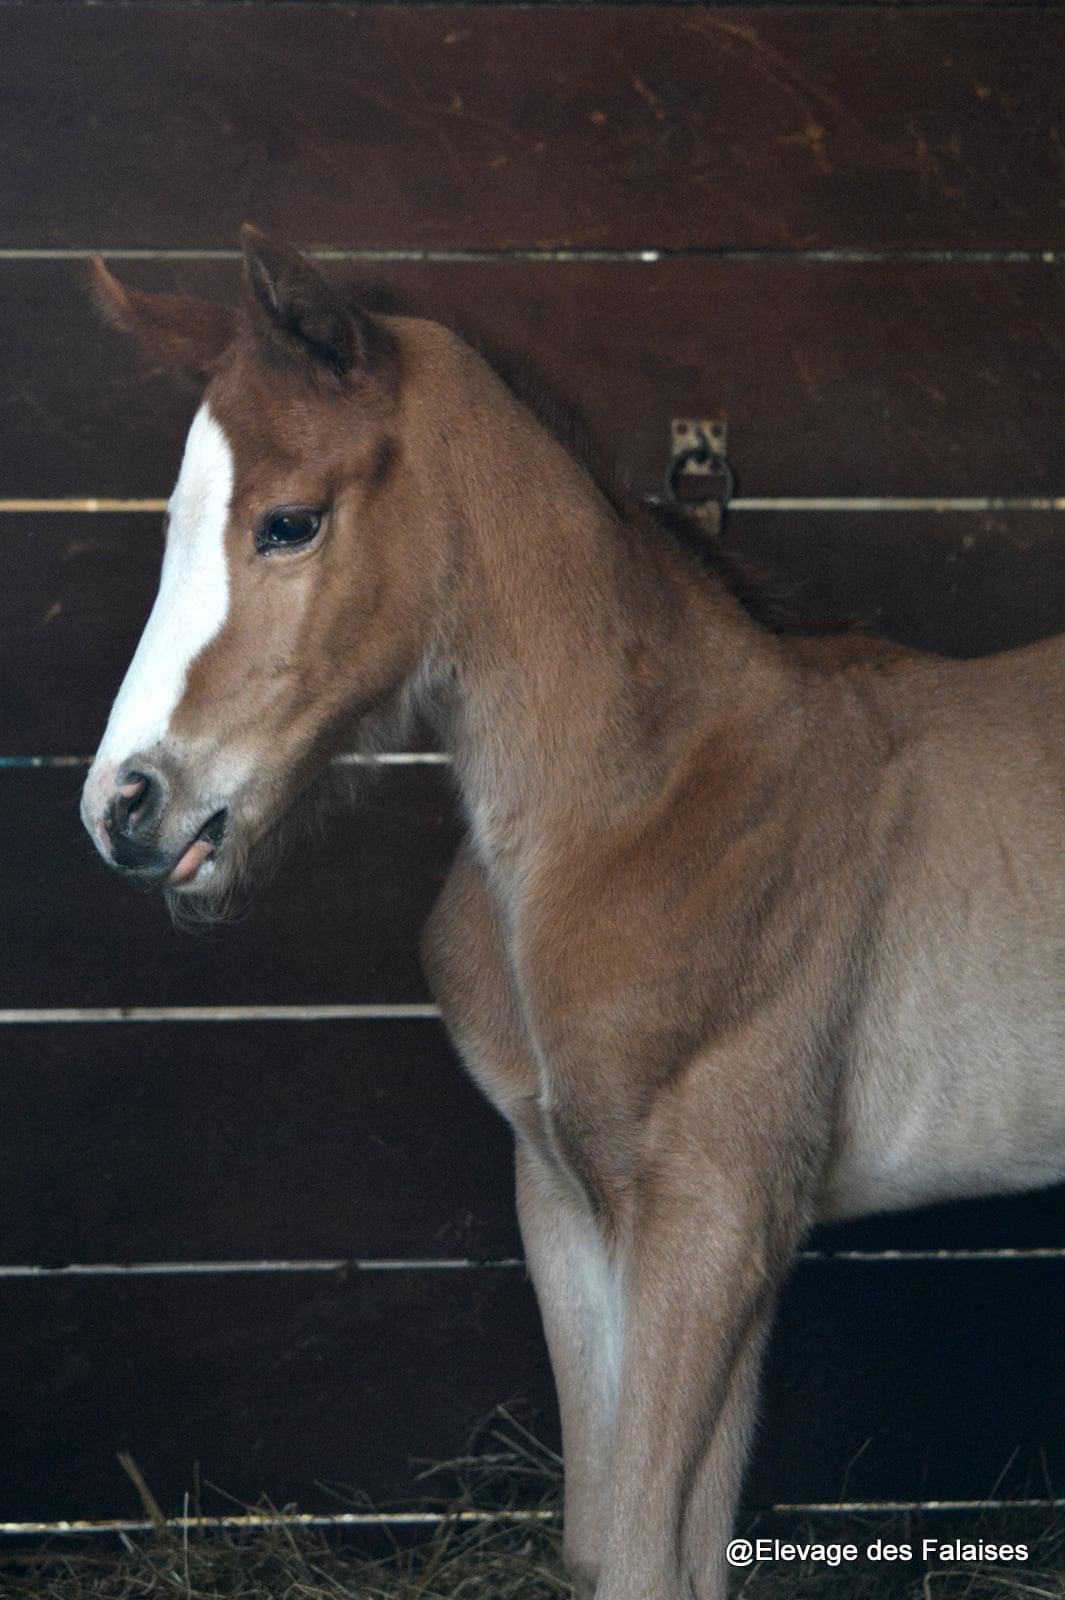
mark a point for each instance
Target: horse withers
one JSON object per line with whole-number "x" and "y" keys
{"x": 749, "y": 929}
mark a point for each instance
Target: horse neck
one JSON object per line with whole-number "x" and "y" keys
{"x": 588, "y": 655}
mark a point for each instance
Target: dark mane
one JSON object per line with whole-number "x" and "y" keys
{"x": 767, "y": 598}
{"x": 764, "y": 595}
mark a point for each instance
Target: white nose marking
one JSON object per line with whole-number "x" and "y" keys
{"x": 192, "y": 602}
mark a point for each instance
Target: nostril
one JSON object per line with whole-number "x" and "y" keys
{"x": 132, "y": 802}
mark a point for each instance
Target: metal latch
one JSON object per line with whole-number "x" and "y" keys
{"x": 699, "y": 479}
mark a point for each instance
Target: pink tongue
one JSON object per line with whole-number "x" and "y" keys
{"x": 191, "y": 861}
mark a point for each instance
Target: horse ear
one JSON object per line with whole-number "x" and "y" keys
{"x": 180, "y": 333}
{"x": 290, "y": 300}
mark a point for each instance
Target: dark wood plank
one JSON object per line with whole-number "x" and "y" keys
{"x": 294, "y": 1141}
{"x": 904, "y": 1380}
{"x": 914, "y": 1380}
{"x": 963, "y": 584}
{"x": 81, "y": 590}
{"x": 314, "y": 1388}
{"x": 339, "y": 923}
{"x": 512, "y": 126}
{"x": 1016, "y": 1222}
{"x": 888, "y": 378}
{"x": 246, "y": 1142}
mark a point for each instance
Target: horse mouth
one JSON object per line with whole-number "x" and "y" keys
{"x": 206, "y": 843}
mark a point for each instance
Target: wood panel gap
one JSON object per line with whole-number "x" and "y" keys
{"x": 313, "y": 1267}
{"x": 92, "y": 505}
{"x": 385, "y": 255}
{"x": 564, "y": 5}
{"x": 416, "y": 1011}
{"x": 300, "y": 1519}
{"x": 193, "y": 1269}
{"x": 400, "y": 758}
{"x": 431, "y": 1519}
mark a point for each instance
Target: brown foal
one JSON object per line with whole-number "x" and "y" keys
{"x": 749, "y": 930}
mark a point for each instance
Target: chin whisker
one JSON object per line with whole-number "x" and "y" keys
{"x": 224, "y": 888}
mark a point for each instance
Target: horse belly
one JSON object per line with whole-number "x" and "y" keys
{"x": 954, "y": 1089}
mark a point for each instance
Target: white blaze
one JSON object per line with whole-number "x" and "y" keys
{"x": 192, "y": 602}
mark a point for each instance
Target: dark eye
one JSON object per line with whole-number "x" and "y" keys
{"x": 286, "y": 529}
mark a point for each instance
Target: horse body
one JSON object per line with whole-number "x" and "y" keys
{"x": 957, "y": 1078}
{"x": 747, "y": 931}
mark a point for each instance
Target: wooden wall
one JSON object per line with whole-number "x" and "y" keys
{"x": 253, "y": 1215}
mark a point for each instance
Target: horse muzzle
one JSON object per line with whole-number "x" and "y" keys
{"x": 135, "y": 824}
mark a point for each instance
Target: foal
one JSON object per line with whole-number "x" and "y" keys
{"x": 748, "y": 931}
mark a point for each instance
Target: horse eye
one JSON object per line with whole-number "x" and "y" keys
{"x": 284, "y": 530}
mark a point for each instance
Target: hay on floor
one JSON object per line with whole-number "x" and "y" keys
{"x": 510, "y": 1553}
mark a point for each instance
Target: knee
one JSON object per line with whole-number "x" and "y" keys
{"x": 582, "y": 1573}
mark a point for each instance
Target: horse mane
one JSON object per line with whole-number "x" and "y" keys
{"x": 767, "y": 598}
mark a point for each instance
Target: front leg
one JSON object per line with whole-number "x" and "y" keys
{"x": 703, "y": 1192}
{"x": 465, "y": 956}
{"x": 577, "y": 1291}
{"x": 697, "y": 1299}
